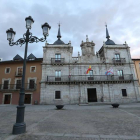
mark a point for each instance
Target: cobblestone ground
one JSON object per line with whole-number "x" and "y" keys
{"x": 97, "y": 122}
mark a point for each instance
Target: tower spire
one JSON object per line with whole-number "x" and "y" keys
{"x": 59, "y": 34}
{"x": 107, "y": 33}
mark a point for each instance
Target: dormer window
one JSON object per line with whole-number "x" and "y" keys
{"x": 17, "y": 58}
{"x": 31, "y": 59}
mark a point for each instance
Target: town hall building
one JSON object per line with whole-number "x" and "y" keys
{"x": 111, "y": 78}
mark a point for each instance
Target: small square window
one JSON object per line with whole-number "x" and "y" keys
{"x": 57, "y": 95}
{"x": 124, "y": 93}
{"x": 7, "y": 70}
{"x": 33, "y": 69}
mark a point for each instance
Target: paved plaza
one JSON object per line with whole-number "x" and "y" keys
{"x": 74, "y": 122}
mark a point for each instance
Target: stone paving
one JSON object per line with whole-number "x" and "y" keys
{"x": 74, "y": 122}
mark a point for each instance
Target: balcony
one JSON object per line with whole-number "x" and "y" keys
{"x": 58, "y": 61}
{"x": 18, "y": 74}
{"x": 89, "y": 79}
{"x": 118, "y": 61}
{"x": 16, "y": 87}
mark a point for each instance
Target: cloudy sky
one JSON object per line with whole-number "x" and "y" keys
{"x": 78, "y": 18}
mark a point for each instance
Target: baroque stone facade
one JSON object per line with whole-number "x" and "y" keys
{"x": 64, "y": 77}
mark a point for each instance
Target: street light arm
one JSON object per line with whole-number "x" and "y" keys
{"x": 33, "y": 39}
{"x": 20, "y": 41}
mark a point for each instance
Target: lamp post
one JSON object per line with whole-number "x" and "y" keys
{"x": 20, "y": 126}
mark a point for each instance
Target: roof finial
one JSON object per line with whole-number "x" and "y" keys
{"x": 87, "y": 38}
{"x": 59, "y": 34}
{"x": 78, "y": 54}
{"x": 107, "y": 34}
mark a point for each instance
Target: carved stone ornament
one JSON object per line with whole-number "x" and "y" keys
{"x": 44, "y": 50}
{"x": 116, "y": 50}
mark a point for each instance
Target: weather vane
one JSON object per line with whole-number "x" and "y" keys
{"x": 105, "y": 24}
{"x": 59, "y": 24}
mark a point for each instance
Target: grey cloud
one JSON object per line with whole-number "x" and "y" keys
{"x": 78, "y": 19}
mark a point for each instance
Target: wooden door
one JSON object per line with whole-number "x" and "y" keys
{"x": 92, "y": 97}
{"x": 7, "y": 99}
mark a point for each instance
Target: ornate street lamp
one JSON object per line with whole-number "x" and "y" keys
{"x": 20, "y": 126}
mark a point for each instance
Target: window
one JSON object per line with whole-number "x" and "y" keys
{"x": 31, "y": 59}
{"x": 58, "y": 73}
{"x": 91, "y": 72}
{"x": 6, "y": 83}
{"x": 18, "y": 84}
{"x": 57, "y": 95}
{"x": 19, "y": 71}
{"x": 124, "y": 93}
{"x": 120, "y": 73}
{"x": 57, "y": 56}
{"x": 7, "y": 70}
{"x": 117, "y": 56}
{"x": 32, "y": 84}
{"x": 90, "y": 77}
{"x": 32, "y": 69}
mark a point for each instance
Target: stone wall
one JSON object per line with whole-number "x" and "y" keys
{"x": 77, "y": 93}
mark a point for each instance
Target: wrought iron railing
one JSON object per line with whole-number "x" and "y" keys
{"x": 57, "y": 60}
{"x": 17, "y": 86}
{"x": 18, "y": 74}
{"x": 118, "y": 60}
{"x": 82, "y": 78}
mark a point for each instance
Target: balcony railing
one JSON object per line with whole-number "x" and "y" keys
{"x": 5, "y": 87}
{"x": 18, "y": 74}
{"x": 118, "y": 60}
{"x": 56, "y": 61}
{"x": 84, "y": 78}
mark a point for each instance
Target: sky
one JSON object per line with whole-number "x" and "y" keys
{"x": 78, "y": 18}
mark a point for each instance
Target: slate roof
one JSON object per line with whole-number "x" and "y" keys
{"x": 31, "y": 56}
{"x": 18, "y": 57}
{"x": 109, "y": 42}
{"x": 58, "y": 42}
